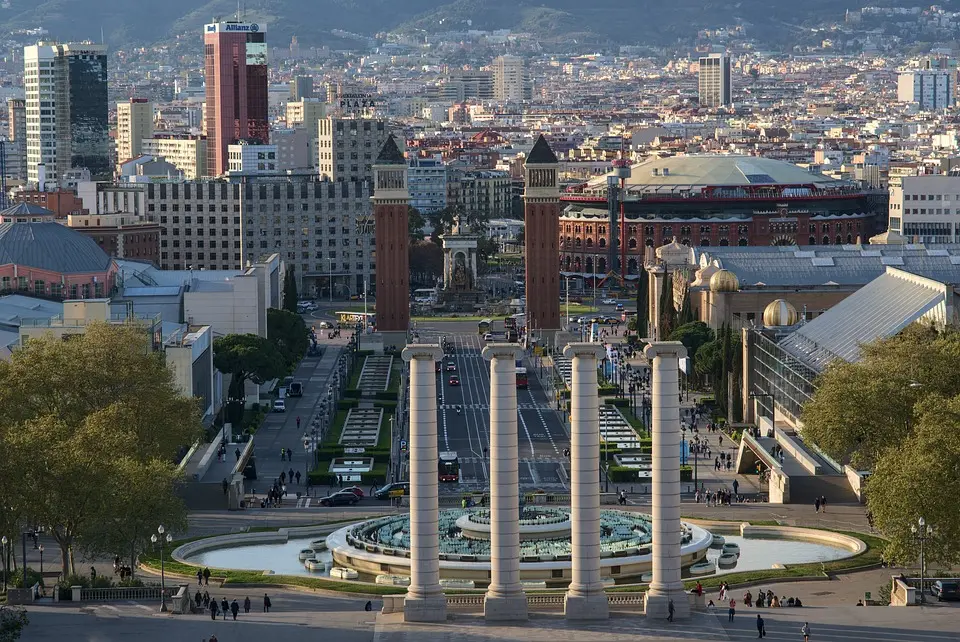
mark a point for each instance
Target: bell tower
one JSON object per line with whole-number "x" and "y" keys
{"x": 390, "y": 197}
{"x": 541, "y": 214}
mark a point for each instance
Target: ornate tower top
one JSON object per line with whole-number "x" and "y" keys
{"x": 540, "y": 169}
{"x": 390, "y": 173}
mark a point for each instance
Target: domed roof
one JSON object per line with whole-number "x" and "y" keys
{"x": 779, "y": 313}
{"x": 51, "y": 246}
{"x": 718, "y": 170}
{"x": 724, "y": 281}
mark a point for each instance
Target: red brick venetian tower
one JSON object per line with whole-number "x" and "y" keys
{"x": 390, "y": 198}
{"x": 541, "y": 215}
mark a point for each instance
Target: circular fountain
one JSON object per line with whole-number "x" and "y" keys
{"x": 382, "y": 546}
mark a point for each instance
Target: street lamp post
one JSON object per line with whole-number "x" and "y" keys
{"x": 40, "y": 548}
{"x": 330, "y": 279}
{"x": 922, "y": 532}
{"x": 163, "y": 539}
{"x": 3, "y": 551}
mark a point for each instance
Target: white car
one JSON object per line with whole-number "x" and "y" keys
{"x": 279, "y": 405}
{"x": 488, "y": 336}
{"x": 609, "y": 302}
{"x": 325, "y": 325}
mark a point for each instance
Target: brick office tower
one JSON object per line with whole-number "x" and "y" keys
{"x": 390, "y": 197}
{"x": 541, "y": 214}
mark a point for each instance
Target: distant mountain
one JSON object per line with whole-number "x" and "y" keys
{"x": 558, "y": 21}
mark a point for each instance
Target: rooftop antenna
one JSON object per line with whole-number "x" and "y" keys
{"x": 101, "y": 35}
{"x": 238, "y": 10}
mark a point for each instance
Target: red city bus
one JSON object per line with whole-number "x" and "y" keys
{"x": 521, "y": 378}
{"x": 449, "y": 467}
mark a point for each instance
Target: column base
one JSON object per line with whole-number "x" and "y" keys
{"x": 656, "y": 604}
{"x": 593, "y": 606}
{"x": 425, "y": 609}
{"x": 505, "y": 608}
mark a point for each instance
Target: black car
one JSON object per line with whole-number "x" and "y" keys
{"x": 339, "y": 499}
{"x": 396, "y": 489}
{"x": 945, "y": 590}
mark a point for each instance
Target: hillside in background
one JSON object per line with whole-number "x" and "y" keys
{"x": 555, "y": 21}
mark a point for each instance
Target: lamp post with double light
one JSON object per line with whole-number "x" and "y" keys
{"x": 922, "y": 532}
{"x": 3, "y": 551}
{"x": 162, "y": 538}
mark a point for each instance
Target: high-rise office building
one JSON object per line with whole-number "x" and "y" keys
{"x": 66, "y": 106}
{"x": 347, "y": 147}
{"x": 511, "y": 83}
{"x": 235, "y": 63}
{"x": 15, "y": 150}
{"x": 930, "y": 89}
{"x": 301, "y": 87}
{"x": 715, "y": 90}
{"x": 134, "y": 123}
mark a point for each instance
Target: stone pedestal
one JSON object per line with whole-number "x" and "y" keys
{"x": 425, "y": 601}
{"x": 665, "y": 489}
{"x": 585, "y": 599}
{"x": 505, "y": 599}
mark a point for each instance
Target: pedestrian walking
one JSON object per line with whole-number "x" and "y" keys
{"x": 246, "y": 604}
{"x": 234, "y": 608}
{"x": 368, "y": 606}
{"x": 225, "y": 607}
{"x": 805, "y": 631}
{"x": 761, "y": 631}
{"x": 298, "y": 422}
{"x": 732, "y": 610}
{"x": 206, "y": 599}
{"x": 816, "y": 504}
{"x": 213, "y": 609}
{"x": 298, "y": 479}
{"x": 206, "y": 576}
{"x": 340, "y": 481}
{"x": 290, "y": 476}
{"x": 670, "y": 610}
{"x": 199, "y": 577}
{"x": 266, "y": 603}
{"x": 237, "y": 453}
{"x": 283, "y": 454}
{"x": 198, "y": 598}
{"x": 823, "y": 503}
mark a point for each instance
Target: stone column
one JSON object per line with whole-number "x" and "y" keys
{"x": 425, "y": 601}
{"x": 505, "y": 599}
{"x": 585, "y": 597}
{"x": 665, "y": 428}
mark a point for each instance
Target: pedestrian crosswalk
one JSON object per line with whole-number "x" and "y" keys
{"x": 486, "y": 406}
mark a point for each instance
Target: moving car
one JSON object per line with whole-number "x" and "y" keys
{"x": 488, "y": 336}
{"x": 396, "y": 489}
{"x": 619, "y": 307}
{"x": 356, "y": 490}
{"x": 609, "y": 302}
{"x": 279, "y": 405}
{"x": 451, "y": 366}
{"x": 325, "y": 325}
{"x": 454, "y": 380}
{"x": 295, "y": 390}
{"x": 339, "y": 499}
{"x": 945, "y": 590}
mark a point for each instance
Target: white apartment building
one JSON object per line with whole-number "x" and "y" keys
{"x": 929, "y": 89}
{"x": 347, "y": 147}
{"x": 925, "y": 209}
{"x": 511, "y": 83}
{"x": 252, "y": 159}
{"x": 306, "y": 113}
{"x": 427, "y": 183}
{"x": 714, "y": 81}
{"x": 186, "y": 152}
{"x": 134, "y": 123}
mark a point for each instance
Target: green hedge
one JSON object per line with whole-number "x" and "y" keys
{"x": 388, "y": 395}
{"x": 606, "y": 390}
{"x": 619, "y": 403}
{"x": 352, "y": 393}
{"x": 347, "y": 404}
{"x": 686, "y": 473}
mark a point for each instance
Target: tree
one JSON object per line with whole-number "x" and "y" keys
{"x": 860, "y": 409}
{"x": 12, "y": 622}
{"x": 70, "y": 409}
{"x": 246, "y": 357}
{"x": 290, "y": 295}
{"x": 143, "y": 496}
{"x": 666, "y": 310}
{"x": 289, "y": 334}
{"x": 442, "y": 222}
{"x": 920, "y": 477}
{"x": 693, "y": 335}
{"x": 415, "y": 224}
{"x": 643, "y": 301}
{"x": 426, "y": 262}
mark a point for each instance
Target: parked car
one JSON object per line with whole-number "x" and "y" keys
{"x": 356, "y": 490}
{"x": 454, "y": 380}
{"x": 325, "y": 325}
{"x": 396, "y": 489}
{"x": 279, "y": 405}
{"x": 339, "y": 499}
{"x": 945, "y": 590}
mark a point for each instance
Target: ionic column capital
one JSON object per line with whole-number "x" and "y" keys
{"x": 584, "y": 350}
{"x": 664, "y": 349}
{"x": 425, "y": 351}
{"x": 502, "y": 351}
